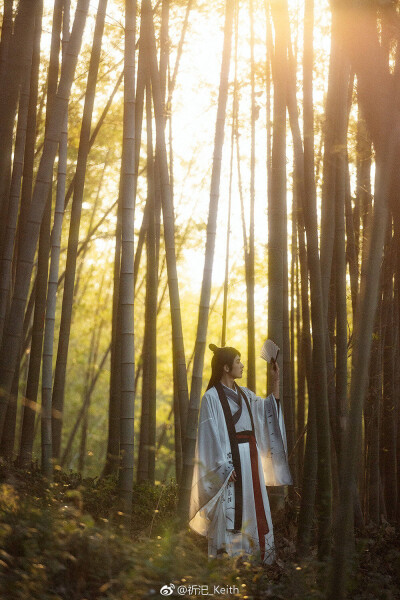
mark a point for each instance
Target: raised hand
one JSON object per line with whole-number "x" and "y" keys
{"x": 275, "y": 377}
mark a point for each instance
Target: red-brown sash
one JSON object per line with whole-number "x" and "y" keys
{"x": 262, "y": 524}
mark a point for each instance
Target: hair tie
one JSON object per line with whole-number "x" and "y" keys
{"x": 213, "y": 347}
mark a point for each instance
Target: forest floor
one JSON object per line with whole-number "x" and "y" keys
{"x": 65, "y": 541}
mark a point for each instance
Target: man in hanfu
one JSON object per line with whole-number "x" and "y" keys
{"x": 240, "y": 448}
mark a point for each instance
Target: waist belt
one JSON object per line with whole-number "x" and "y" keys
{"x": 244, "y": 436}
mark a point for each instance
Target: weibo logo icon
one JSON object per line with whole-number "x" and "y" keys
{"x": 167, "y": 590}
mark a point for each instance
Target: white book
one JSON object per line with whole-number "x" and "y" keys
{"x": 269, "y": 351}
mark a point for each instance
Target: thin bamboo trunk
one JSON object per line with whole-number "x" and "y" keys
{"x": 309, "y": 473}
{"x": 276, "y": 210}
{"x": 126, "y": 284}
{"x": 334, "y": 94}
{"x": 330, "y": 351}
{"x": 293, "y": 343}
{"x": 155, "y": 305}
{"x": 85, "y": 416}
{"x": 268, "y": 60}
{"x": 341, "y": 172}
{"x": 250, "y": 281}
{"x": 397, "y": 388}
{"x": 397, "y": 359}
{"x": 269, "y": 53}
{"x": 309, "y": 482}
{"x": 287, "y": 390}
{"x": 234, "y": 135}
{"x": 164, "y": 51}
{"x": 333, "y": 190}
{"x": 180, "y": 377}
{"x": 146, "y": 456}
{"x": 228, "y": 237}
{"x": 299, "y": 372}
{"x": 112, "y": 455}
{"x": 242, "y": 208}
{"x": 388, "y": 441}
{"x": 351, "y": 251}
{"x": 91, "y": 371}
{"x": 277, "y": 234}
{"x": 372, "y": 415}
{"x": 363, "y": 190}
{"x": 83, "y": 443}
{"x": 51, "y": 301}
{"x": 202, "y": 324}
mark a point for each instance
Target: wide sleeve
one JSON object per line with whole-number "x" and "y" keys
{"x": 281, "y": 421}
{"x": 271, "y": 440}
{"x": 211, "y": 471}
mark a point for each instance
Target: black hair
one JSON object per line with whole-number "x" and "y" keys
{"x": 222, "y": 356}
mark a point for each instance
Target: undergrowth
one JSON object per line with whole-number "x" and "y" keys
{"x": 65, "y": 541}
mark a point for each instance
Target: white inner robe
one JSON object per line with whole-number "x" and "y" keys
{"x": 212, "y": 501}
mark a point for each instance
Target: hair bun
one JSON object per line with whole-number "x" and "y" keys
{"x": 213, "y": 347}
